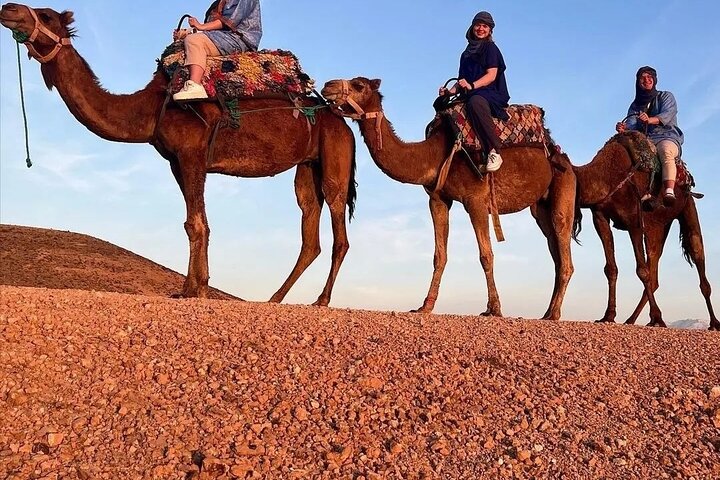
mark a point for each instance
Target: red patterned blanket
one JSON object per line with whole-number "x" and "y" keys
{"x": 241, "y": 74}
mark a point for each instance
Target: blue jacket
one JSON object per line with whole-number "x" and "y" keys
{"x": 665, "y": 108}
{"x": 242, "y": 26}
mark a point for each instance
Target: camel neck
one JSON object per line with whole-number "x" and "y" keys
{"x": 416, "y": 163}
{"x": 121, "y": 118}
{"x": 604, "y": 173}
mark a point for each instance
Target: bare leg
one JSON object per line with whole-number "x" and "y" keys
{"x": 440, "y": 212}
{"x": 310, "y": 200}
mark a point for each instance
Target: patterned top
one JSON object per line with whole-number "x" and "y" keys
{"x": 242, "y": 26}
{"x": 665, "y": 108}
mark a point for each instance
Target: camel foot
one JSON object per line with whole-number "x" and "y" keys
{"x": 605, "y": 320}
{"x": 714, "y": 327}
{"x": 177, "y": 296}
{"x": 630, "y": 321}
{"x": 275, "y": 299}
{"x": 491, "y": 313}
{"x": 657, "y": 323}
{"x": 422, "y": 309}
{"x": 321, "y": 302}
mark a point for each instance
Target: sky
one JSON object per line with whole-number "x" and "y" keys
{"x": 575, "y": 59}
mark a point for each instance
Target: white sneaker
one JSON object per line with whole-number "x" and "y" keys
{"x": 190, "y": 91}
{"x": 494, "y": 160}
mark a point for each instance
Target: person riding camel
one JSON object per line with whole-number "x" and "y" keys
{"x": 654, "y": 112}
{"x": 482, "y": 77}
{"x": 230, "y": 26}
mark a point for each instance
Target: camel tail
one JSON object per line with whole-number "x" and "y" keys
{"x": 685, "y": 241}
{"x": 577, "y": 221}
{"x": 352, "y": 184}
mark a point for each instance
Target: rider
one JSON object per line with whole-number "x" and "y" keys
{"x": 482, "y": 76}
{"x": 655, "y": 113}
{"x": 230, "y": 26}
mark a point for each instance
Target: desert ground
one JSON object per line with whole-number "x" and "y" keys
{"x": 104, "y": 376}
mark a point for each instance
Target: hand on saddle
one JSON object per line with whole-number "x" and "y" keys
{"x": 620, "y": 127}
{"x": 181, "y": 34}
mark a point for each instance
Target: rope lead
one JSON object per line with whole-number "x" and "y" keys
{"x": 21, "y": 37}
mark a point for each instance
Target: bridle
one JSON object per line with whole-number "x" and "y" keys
{"x": 38, "y": 28}
{"x": 361, "y": 114}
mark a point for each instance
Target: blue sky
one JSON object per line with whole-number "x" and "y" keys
{"x": 575, "y": 59}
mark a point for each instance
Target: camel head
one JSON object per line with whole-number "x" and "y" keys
{"x": 355, "y": 96}
{"x": 45, "y": 30}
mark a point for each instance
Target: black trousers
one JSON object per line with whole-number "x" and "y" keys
{"x": 478, "y": 110}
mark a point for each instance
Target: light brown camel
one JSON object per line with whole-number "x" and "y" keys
{"x": 265, "y": 144}
{"x": 527, "y": 179}
{"x": 598, "y": 190}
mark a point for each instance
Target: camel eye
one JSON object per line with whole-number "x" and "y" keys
{"x": 45, "y": 17}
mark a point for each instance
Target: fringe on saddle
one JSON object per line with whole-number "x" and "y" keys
{"x": 242, "y": 74}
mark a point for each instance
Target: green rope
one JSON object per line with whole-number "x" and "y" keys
{"x": 235, "y": 113}
{"x": 21, "y": 37}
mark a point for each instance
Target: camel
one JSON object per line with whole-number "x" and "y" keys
{"x": 601, "y": 189}
{"x": 264, "y": 145}
{"x": 527, "y": 179}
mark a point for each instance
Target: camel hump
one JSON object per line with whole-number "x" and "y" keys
{"x": 242, "y": 74}
{"x": 525, "y": 127}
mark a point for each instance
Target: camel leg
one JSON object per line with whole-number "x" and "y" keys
{"x": 479, "y": 218}
{"x": 191, "y": 181}
{"x": 440, "y": 213}
{"x": 643, "y": 273}
{"x": 336, "y": 194}
{"x": 310, "y": 200}
{"x": 654, "y": 244}
{"x": 693, "y": 247}
{"x": 555, "y": 219}
{"x": 602, "y": 227}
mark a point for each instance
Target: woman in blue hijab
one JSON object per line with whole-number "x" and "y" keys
{"x": 482, "y": 77}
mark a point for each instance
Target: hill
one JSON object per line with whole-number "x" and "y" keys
{"x": 97, "y": 384}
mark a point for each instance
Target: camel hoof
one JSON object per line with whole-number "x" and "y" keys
{"x": 274, "y": 300}
{"x": 490, "y": 313}
{"x": 714, "y": 327}
{"x": 605, "y": 320}
{"x": 321, "y": 302}
{"x": 422, "y": 309}
{"x": 629, "y": 322}
{"x": 658, "y": 324}
{"x": 177, "y": 296}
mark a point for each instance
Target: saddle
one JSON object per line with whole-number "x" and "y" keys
{"x": 242, "y": 74}
{"x": 524, "y": 128}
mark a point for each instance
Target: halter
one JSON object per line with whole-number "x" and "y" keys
{"x": 40, "y": 27}
{"x": 360, "y": 114}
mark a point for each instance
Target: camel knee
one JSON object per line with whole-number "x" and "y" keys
{"x": 196, "y": 229}
{"x": 439, "y": 261}
{"x": 611, "y": 271}
{"x": 643, "y": 274}
{"x": 340, "y": 249}
{"x": 705, "y": 288}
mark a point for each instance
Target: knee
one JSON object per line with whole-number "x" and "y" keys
{"x": 479, "y": 103}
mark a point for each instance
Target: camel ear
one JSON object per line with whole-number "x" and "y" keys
{"x": 66, "y": 18}
{"x": 375, "y": 84}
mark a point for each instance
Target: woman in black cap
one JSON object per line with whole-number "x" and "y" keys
{"x": 654, "y": 112}
{"x": 482, "y": 76}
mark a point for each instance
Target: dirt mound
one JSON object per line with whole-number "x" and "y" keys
{"x": 39, "y": 257}
{"x": 97, "y": 385}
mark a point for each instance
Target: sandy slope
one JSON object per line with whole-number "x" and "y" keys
{"x": 118, "y": 386}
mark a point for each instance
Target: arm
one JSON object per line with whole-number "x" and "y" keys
{"x": 667, "y": 107}
{"x": 205, "y": 27}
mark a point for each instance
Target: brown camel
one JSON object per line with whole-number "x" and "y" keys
{"x": 527, "y": 179}
{"x": 265, "y": 144}
{"x": 601, "y": 189}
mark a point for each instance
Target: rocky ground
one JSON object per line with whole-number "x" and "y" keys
{"x": 104, "y": 385}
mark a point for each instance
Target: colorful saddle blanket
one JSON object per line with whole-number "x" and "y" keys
{"x": 524, "y": 128}
{"x": 241, "y": 74}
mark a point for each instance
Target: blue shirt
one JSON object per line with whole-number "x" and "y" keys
{"x": 665, "y": 108}
{"x": 474, "y": 66}
{"x": 242, "y": 26}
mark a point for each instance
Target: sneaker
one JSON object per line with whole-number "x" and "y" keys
{"x": 669, "y": 197}
{"x": 494, "y": 160}
{"x": 190, "y": 91}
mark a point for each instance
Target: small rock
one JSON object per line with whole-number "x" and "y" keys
{"x": 715, "y": 393}
{"x": 55, "y": 439}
